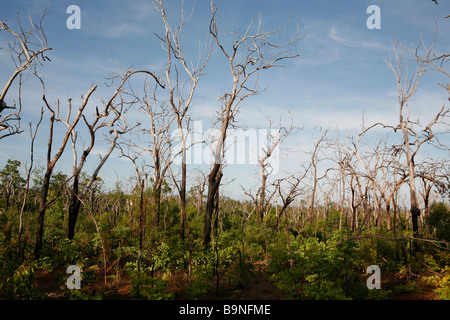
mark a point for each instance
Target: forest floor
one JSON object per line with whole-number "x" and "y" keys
{"x": 420, "y": 290}
{"x": 49, "y": 285}
{"x": 52, "y": 286}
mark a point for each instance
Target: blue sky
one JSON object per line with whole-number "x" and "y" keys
{"x": 340, "y": 75}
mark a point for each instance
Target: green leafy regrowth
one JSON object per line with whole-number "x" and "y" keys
{"x": 439, "y": 221}
{"x": 149, "y": 288}
{"x": 320, "y": 271}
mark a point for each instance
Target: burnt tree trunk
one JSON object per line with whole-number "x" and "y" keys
{"x": 157, "y": 205}
{"x": 74, "y": 208}
{"x": 213, "y": 187}
{"x": 41, "y": 215}
{"x": 183, "y": 200}
{"x": 142, "y": 223}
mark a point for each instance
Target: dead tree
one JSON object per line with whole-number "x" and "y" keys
{"x": 198, "y": 190}
{"x": 141, "y": 185}
{"x": 357, "y": 194}
{"x": 52, "y": 160}
{"x": 376, "y": 168}
{"x": 268, "y": 152}
{"x": 29, "y": 170}
{"x": 413, "y": 137}
{"x": 181, "y": 92}
{"x": 316, "y": 177}
{"x": 289, "y": 194}
{"x": 392, "y": 178}
{"x": 432, "y": 174}
{"x": 156, "y": 126}
{"x": 110, "y": 116}
{"x": 249, "y": 54}
{"x": 71, "y": 124}
{"x": 341, "y": 157}
{"x": 27, "y": 50}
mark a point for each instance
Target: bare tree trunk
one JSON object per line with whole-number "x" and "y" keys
{"x": 378, "y": 222}
{"x": 200, "y": 201}
{"x": 249, "y": 55}
{"x": 74, "y": 208}
{"x": 142, "y": 222}
{"x": 181, "y": 99}
{"x": 101, "y": 120}
{"x": 214, "y": 179}
{"x": 426, "y": 201}
{"x": 157, "y": 205}
{"x": 27, "y": 186}
{"x": 261, "y": 208}
{"x": 51, "y": 162}
{"x": 283, "y": 209}
{"x": 41, "y": 213}
{"x": 354, "y": 207}
{"x": 183, "y": 201}
{"x": 415, "y": 211}
{"x": 342, "y": 201}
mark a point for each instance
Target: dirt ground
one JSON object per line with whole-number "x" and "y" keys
{"x": 52, "y": 286}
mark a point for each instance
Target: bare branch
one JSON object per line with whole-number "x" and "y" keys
{"x": 27, "y": 49}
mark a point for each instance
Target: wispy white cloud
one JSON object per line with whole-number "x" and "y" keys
{"x": 116, "y": 30}
{"x": 333, "y": 34}
{"x": 119, "y": 21}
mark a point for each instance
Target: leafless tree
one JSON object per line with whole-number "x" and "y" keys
{"x": 357, "y": 193}
{"x": 27, "y": 49}
{"x": 414, "y": 138}
{"x": 266, "y": 155}
{"x": 432, "y": 174}
{"x": 249, "y": 54}
{"x": 290, "y": 192}
{"x": 156, "y": 126}
{"x": 141, "y": 185}
{"x": 71, "y": 124}
{"x": 29, "y": 170}
{"x": 317, "y": 155}
{"x": 392, "y": 177}
{"x": 340, "y": 155}
{"x": 52, "y": 160}
{"x": 198, "y": 190}
{"x": 111, "y": 116}
{"x": 377, "y": 166}
{"x": 181, "y": 92}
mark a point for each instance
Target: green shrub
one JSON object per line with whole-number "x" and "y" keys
{"x": 442, "y": 284}
{"x": 82, "y": 295}
{"x": 19, "y": 284}
{"x": 198, "y": 289}
{"x": 439, "y": 221}
{"x": 320, "y": 271}
{"x": 288, "y": 272}
{"x": 150, "y": 288}
{"x": 408, "y": 286}
{"x": 379, "y": 294}
{"x": 324, "y": 290}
